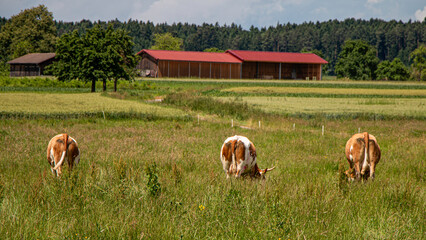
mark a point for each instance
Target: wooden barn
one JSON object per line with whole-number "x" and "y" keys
{"x": 231, "y": 64}
{"x": 279, "y": 65}
{"x": 176, "y": 64}
{"x": 32, "y": 64}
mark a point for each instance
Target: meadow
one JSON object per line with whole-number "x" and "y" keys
{"x": 161, "y": 177}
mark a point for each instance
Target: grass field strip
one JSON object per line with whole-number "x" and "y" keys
{"x": 337, "y": 91}
{"x": 77, "y": 103}
{"x": 390, "y": 106}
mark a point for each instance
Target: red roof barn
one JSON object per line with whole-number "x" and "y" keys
{"x": 231, "y": 64}
{"x": 163, "y": 63}
{"x": 279, "y": 65}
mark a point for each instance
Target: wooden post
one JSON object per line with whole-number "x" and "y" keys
{"x": 280, "y": 73}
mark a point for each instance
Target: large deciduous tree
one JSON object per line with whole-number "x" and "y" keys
{"x": 357, "y": 60}
{"x": 99, "y": 54}
{"x": 167, "y": 42}
{"x": 395, "y": 70}
{"x": 32, "y": 30}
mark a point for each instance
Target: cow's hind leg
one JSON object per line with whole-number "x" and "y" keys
{"x": 372, "y": 170}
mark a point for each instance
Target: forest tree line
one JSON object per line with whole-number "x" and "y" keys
{"x": 391, "y": 39}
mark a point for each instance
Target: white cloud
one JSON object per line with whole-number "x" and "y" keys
{"x": 221, "y": 11}
{"x": 420, "y": 14}
{"x": 259, "y": 13}
{"x": 373, "y": 1}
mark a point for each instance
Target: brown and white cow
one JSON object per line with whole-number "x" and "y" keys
{"x": 238, "y": 156}
{"x": 62, "y": 147}
{"x": 362, "y": 157}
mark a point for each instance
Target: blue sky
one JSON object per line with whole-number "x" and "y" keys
{"x": 259, "y": 13}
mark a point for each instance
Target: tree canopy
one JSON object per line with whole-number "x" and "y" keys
{"x": 395, "y": 70}
{"x": 99, "y": 54}
{"x": 167, "y": 42}
{"x": 32, "y": 30}
{"x": 357, "y": 60}
{"x": 418, "y": 57}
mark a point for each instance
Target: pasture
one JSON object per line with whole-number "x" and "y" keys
{"x": 161, "y": 177}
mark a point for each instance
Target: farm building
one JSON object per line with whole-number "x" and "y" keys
{"x": 163, "y": 63}
{"x": 32, "y": 64}
{"x": 279, "y": 65}
{"x": 231, "y": 64}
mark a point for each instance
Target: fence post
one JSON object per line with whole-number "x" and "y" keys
{"x": 323, "y": 130}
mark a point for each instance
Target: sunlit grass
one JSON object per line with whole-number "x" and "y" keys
{"x": 51, "y": 103}
{"x": 291, "y": 105}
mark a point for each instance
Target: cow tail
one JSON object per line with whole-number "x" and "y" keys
{"x": 65, "y": 150}
{"x": 366, "y": 152}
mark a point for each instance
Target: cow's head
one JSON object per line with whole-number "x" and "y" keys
{"x": 262, "y": 172}
{"x": 350, "y": 173}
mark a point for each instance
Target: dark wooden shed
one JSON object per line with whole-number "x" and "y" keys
{"x": 32, "y": 64}
{"x": 164, "y": 63}
{"x": 279, "y": 65}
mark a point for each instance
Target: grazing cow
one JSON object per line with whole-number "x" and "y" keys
{"x": 238, "y": 156}
{"x": 62, "y": 147}
{"x": 362, "y": 157}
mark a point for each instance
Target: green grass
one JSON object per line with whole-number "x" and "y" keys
{"x": 328, "y": 91}
{"x": 78, "y": 104}
{"x": 387, "y": 108}
{"x": 160, "y": 177}
{"x": 108, "y": 195}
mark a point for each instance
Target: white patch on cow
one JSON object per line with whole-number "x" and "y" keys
{"x": 246, "y": 142}
{"x": 350, "y": 155}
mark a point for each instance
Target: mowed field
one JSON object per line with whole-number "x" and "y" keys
{"x": 161, "y": 177}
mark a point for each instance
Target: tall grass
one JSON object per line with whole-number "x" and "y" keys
{"x": 111, "y": 193}
{"x": 234, "y": 108}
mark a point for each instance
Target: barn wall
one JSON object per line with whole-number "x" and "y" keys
{"x": 182, "y": 69}
{"x": 264, "y": 70}
{"x": 147, "y": 66}
{"x": 22, "y": 70}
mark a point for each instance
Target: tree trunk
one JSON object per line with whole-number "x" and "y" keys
{"x": 93, "y": 85}
{"x": 115, "y": 85}
{"x": 104, "y": 85}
